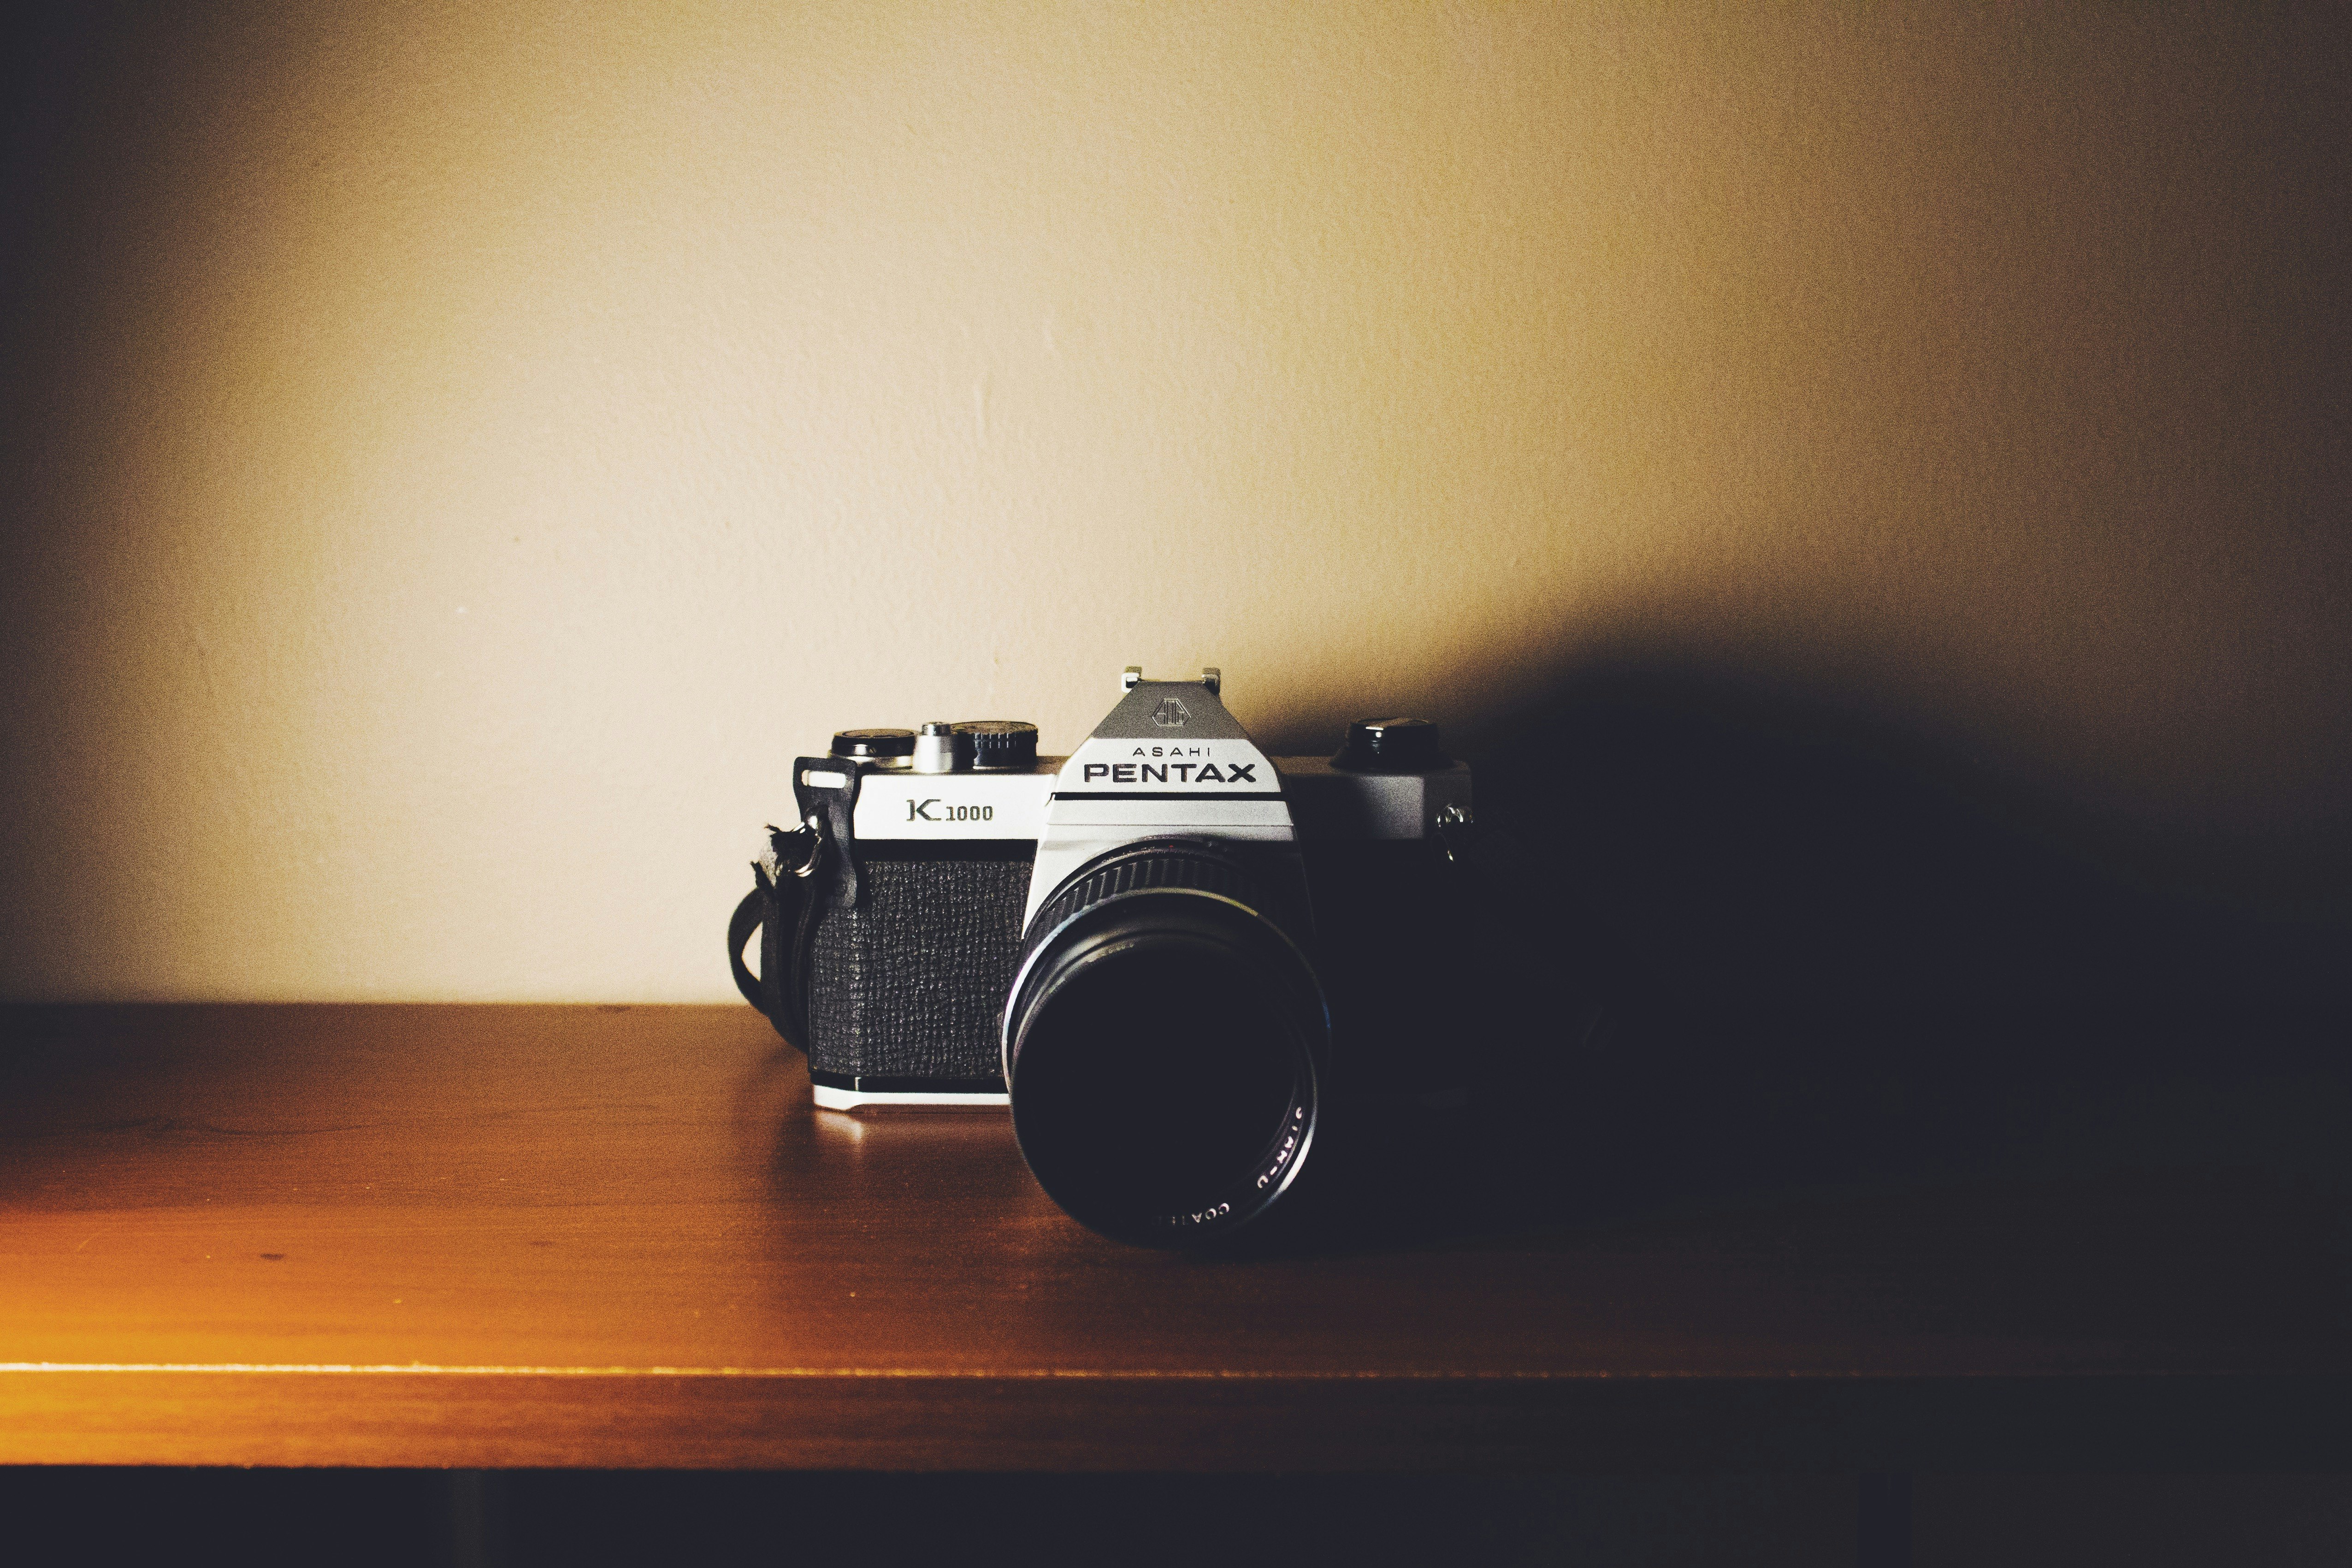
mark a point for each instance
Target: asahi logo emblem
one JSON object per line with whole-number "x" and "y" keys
{"x": 1171, "y": 714}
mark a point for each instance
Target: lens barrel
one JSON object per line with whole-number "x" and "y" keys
{"x": 1164, "y": 1044}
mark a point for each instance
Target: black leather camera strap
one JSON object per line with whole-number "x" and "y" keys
{"x": 780, "y": 907}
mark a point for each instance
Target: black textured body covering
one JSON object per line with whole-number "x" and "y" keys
{"x": 909, "y": 982}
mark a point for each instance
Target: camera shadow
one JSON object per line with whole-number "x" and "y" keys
{"x": 1742, "y": 942}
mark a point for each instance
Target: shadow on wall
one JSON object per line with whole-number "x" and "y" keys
{"x": 1831, "y": 948}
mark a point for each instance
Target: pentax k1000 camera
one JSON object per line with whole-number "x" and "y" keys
{"x": 1163, "y": 951}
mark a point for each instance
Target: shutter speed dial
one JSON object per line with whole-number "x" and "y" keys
{"x": 996, "y": 746}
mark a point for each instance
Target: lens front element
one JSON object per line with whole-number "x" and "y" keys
{"x": 1163, "y": 1045}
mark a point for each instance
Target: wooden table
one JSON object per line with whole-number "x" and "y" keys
{"x": 475, "y": 1236}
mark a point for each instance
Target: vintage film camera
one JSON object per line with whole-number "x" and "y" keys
{"x": 1165, "y": 952}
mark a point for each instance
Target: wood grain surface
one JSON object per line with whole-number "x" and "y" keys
{"x": 583, "y": 1236}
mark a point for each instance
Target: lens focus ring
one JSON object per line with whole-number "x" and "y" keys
{"x": 1163, "y": 1044}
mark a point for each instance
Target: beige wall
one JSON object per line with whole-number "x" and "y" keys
{"x": 456, "y": 456}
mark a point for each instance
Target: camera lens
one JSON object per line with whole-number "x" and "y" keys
{"x": 1164, "y": 1044}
